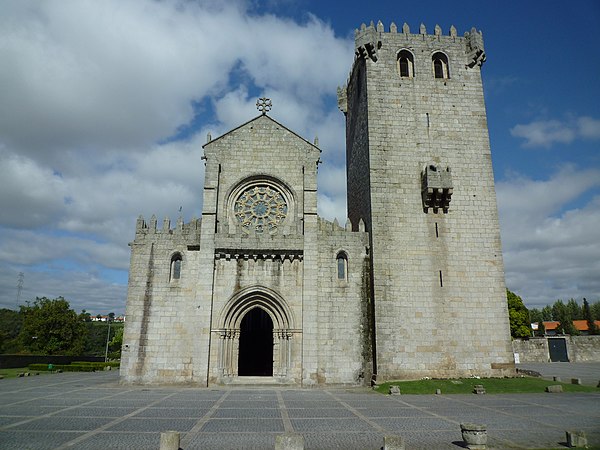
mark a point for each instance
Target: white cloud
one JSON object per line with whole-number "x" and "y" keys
{"x": 545, "y": 133}
{"x": 90, "y": 89}
{"x": 550, "y": 235}
{"x": 31, "y": 195}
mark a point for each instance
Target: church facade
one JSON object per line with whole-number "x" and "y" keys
{"x": 261, "y": 289}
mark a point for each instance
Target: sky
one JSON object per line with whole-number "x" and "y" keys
{"x": 104, "y": 107}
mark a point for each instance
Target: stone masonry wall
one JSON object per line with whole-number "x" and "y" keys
{"x": 159, "y": 332}
{"x": 579, "y": 349}
{"x": 439, "y": 293}
{"x": 344, "y": 337}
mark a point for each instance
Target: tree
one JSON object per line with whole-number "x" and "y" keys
{"x": 10, "y": 326}
{"x": 541, "y": 329}
{"x": 547, "y": 313}
{"x": 562, "y": 314}
{"x": 536, "y": 315}
{"x": 116, "y": 343}
{"x": 518, "y": 316}
{"x": 51, "y": 327}
{"x": 595, "y": 308}
{"x": 587, "y": 315}
{"x": 85, "y": 316}
{"x": 574, "y": 310}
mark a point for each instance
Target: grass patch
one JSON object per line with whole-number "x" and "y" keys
{"x": 13, "y": 373}
{"x": 520, "y": 385}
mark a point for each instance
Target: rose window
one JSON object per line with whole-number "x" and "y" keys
{"x": 260, "y": 208}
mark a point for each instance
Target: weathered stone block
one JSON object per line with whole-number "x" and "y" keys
{"x": 478, "y": 389}
{"x": 474, "y": 435}
{"x": 555, "y": 388}
{"x": 576, "y": 439}
{"x": 393, "y": 442}
{"x": 289, "y": 441}
{"x": 394, "y": 390}
{"x": 169, "y": 440}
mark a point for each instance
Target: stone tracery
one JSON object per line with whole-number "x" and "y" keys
{"x": 260, "y": 208}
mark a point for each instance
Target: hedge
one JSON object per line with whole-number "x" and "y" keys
{"x": 76, "y": 366}
{"x": 63, "y": 367}
{"x": 99, "y": 365}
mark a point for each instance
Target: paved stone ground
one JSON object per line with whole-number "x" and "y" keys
{"x": 588, "y": 372}
{"x": 92, "y": 411}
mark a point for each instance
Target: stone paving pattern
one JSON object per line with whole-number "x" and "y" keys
{"x": 92, "y": 411}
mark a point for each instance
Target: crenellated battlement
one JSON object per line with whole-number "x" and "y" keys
{"x": 151, "y": 227}
{"x": 366, "y": 32}
{"x": 372, "y": 41}
{"x": 327, "y": 226}
{"x": 369, "y": 39}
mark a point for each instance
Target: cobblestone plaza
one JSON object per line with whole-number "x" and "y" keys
{"x": 92, "y": 411}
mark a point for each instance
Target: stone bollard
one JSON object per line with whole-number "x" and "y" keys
{"x": 576, "y": 439}
{"x": 393, "y": 442}
{"x": 394, "y": 390}
{"x": 474, "y": 435}
{"x": 575, "y": 380}
{"x": 555, "y": 388}
{"x": 21, "y": 375}
{"x": 556, "y": 379}
{"x": 289, "y": 441}
{"x": 169, "y": 440}
{"x": 438, "y": 392}
{"x": 1, "y": 377}
{"x": 478, "y": 389}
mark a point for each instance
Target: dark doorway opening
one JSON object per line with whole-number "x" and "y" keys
{"x": 256, "y": 344}
{"x": 558, "y": 350}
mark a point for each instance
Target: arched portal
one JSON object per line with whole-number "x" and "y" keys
{"x": 256, "y": 344}
{"x": 256, "y": 334}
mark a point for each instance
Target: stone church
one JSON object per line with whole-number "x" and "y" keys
{"x": 263, "y": 290}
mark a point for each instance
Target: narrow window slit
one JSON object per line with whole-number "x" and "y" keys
{"x": 441, "y": 280}
{"x": 437, "y": 233}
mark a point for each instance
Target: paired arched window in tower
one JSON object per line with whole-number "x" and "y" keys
{"x": 175, "y": 272}
{"x": 406, "y": 64}
{"x": 342, "y": 266}
{"x": 440, "y": 65}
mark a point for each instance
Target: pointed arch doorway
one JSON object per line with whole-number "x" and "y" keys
{"x": 256, "y": 337}
{"x": 256, "y": 344}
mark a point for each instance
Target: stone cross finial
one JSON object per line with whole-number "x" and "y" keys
{"x": 264, "y": 105}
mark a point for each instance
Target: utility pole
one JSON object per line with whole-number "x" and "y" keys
{"x": 107, "y": 339}
{"x": 20, "y": 280}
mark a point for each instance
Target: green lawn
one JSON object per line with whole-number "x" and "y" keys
{"x": 492, "y": 386}
{"x": 12, "y": 373}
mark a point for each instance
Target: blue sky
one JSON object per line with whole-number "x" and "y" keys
{"x": 105, "y": 105}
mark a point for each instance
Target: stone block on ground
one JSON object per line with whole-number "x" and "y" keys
{"x": 556, "y": 379}
{"x": 478, "y": 389}
{"x": 289, "y": 441}
{"x": 393, "y": 442}
{"x": 394, "y": 390}
{"x": 474, "y": 435}
{"x": 575, "y": 380}
{"x": 576, "y": 439}
{"x": 555, "y": 388}
{"x": 169, "y": 440}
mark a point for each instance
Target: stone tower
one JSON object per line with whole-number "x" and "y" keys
{"x": 420, "y": 175}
